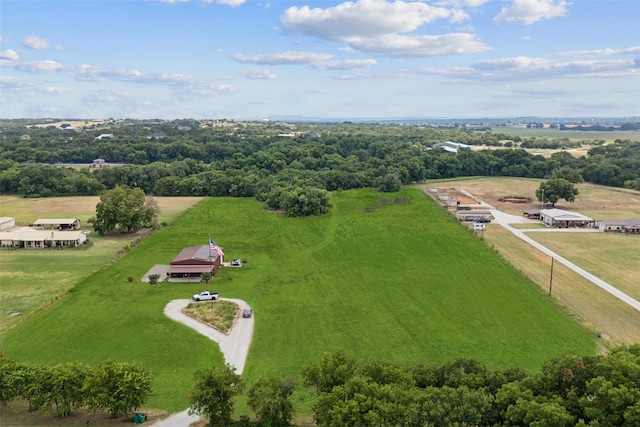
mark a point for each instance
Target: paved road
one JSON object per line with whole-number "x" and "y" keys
{"x": 505, "y": 219}
{"x": 234, "y": 347}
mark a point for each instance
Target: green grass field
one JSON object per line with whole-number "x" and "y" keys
{"x": 30, "y": 279}
{"x": 403, "y": 282}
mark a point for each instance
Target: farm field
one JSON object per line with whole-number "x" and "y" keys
{"x": 598, "y": 253}
{"x": 33, "y": 278}
{"x": 523, "y": 132}
{"x": 404, "y": 282}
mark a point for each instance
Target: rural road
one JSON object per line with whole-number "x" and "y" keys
{"x": 234, "y": 347}
{"x": 505, "y": 219}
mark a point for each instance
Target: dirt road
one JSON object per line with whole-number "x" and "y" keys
{"x": 505, "y": 219}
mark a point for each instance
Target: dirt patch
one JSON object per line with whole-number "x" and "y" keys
{"x": 220, "y": 315}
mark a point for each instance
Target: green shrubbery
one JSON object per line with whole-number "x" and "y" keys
{"x": 116, "y": 387}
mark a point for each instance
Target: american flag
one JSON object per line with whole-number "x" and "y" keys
{"x": 216, "y": 248}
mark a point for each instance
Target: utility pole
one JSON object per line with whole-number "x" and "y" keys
{"x": 551, "y": 277}
{"x": 542, "y": 204}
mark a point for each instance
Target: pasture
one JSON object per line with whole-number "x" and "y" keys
{"x": 33, "y": 278}
{"x": 403, "y": 281}
{"x": 611, "y": 256}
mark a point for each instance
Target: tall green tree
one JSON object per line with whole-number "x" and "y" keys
{"x": 270, "y": 398}
{"x": 126, "y": 209}
{"x": 213, "y": 394}
{"x": 555, "y": 189}
{"x": 117, "y": 387}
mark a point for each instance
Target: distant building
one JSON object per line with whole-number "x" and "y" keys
{"x": 452, "y": 147}
{"x": 99, "y": 164}
{"x": 562, "y": 218}
{"x": 45, "y": 233}
{"x": 627, "y": 225}
{"x": 156, "y": 135}
{"x": 25, "y": 137}
{"x": 102, "y": 136}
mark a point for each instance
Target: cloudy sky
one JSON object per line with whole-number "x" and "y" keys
{"x": 243, "y": 59}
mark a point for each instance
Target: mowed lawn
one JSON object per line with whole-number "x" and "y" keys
{"x": 403, "y": 282}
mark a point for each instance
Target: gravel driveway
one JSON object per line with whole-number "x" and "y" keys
{"x": 234, "y": 347}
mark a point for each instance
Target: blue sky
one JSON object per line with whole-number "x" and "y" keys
{"x": 240, "y": 59}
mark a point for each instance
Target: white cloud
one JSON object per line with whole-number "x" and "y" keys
{"x": 52, "y": 89}
{"x": 33, "y": 42}
{"x": 635, "y": 50}
{"x": 283, "y": 58}
{"x": 2, "y": 40}
{"x": 13, "y": 83}
{"x": 348, "y": 64}
{"x": 9, "y": 55}
{"x": 382, "y": 28}
{"x": 462, "y": 3}
{"x": 396, "y": 45}
{"x": 258, "y": 74}
{"x": 529, "y": 11}
{"x": 524, "y": 68}
{"x": 364, "y": 18}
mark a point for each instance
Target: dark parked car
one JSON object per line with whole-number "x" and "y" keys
{"x": 247, "y": 313}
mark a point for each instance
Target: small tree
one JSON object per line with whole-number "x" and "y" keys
{"x": 153, "y": 279}
{"x": 270, "y": 398}
{"x": 206, "y": 278}
{"x": 213, "y": 393}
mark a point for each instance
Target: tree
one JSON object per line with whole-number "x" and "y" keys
{"x": 270, "y": 398}
{"x": 117, "y": 387}
{"x": 206, "y": 278}
{"x": 213, "y": 393}
{"x": 153, "y": 280}
{"x": 555, "y": 189}
{"x": 126, "y": 209}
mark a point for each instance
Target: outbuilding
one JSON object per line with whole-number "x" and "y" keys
{"x": 627, "y": 225}
{"x": 563, "y": 219}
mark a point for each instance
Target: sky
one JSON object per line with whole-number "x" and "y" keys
{"x": 252, "y": 60}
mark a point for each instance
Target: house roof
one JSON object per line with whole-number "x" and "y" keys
{"x": 475, "y": 212}
{"x": 6, "y": 219}
{"x": 562, "y": 215}
{"x": 56, "y": 221}
{"x": 195, "y": 255}
{"x": 27, "y": 234}
{"x": 627, "y": 222}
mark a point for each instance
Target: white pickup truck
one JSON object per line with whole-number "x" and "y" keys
{"x": 205, "y": 296}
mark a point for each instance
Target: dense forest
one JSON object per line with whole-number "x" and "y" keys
{"x": 273, "y": 161}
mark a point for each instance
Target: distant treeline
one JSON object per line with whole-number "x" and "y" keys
{"x": 184, "y": 158}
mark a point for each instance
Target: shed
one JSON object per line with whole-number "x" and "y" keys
{"x": 562, "y": 218}
{"x": 474, "y": 215}
{"x": 532, "y": 213}
{"x": 627, "y": 225}
{"x": 58, "y": 223}
{"x": 7, "y": 222}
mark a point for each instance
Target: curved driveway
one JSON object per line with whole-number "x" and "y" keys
{"x": 505, "y": 219}
{"x": 234, "y": 347}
